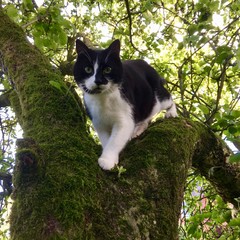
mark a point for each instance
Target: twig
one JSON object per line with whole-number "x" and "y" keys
{"x": 130, "y": 26}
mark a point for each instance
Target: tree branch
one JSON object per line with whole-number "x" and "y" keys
{"x": 130, "y": 26}
{"x": 211, "y": 160}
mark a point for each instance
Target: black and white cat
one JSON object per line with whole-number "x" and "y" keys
{"x": 120, "y": 97}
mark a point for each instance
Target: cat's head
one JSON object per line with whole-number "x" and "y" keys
{"x": 98, "y": 71}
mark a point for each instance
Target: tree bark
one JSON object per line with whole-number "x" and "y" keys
{"x": 60, "y": 191}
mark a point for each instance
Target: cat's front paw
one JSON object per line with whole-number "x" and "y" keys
{"x": 108, "y": 162}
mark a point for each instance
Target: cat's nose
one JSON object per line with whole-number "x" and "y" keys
{"x": 101, "y": 82}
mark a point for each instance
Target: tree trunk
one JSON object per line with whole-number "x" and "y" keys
{"x": 60, "y": 191}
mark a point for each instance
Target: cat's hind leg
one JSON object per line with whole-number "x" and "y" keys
{"x": 171, "y": 111}
{"x": 140, "y": 128}
{"x": 167, "y": 104}
{"x": 170, "y": 107}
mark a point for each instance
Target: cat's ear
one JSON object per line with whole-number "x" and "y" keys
{"x": 81, "y": 47}
{"x": 115, "y": 47}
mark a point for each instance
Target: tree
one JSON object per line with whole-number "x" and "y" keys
{"x": 59, "y": 191}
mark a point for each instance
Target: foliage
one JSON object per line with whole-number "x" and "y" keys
{"x": 205, "y": 215}
{"x": 193, "y": 44}
{"x": 7, "y": 136}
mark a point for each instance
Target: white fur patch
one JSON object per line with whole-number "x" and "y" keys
{"x": 113, "y": 121}
{"x": 90, "y": 82}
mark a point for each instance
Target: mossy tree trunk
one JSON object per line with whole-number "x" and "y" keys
{"x": 61, "y": 193}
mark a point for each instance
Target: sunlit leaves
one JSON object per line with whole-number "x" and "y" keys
{"x": 11, "y": 11}
{"x": 238, "y": 56}
{"x": 205, "y": 215}
{"x": 28, "y": 5}
{"x": 204, "y": 108}
{"x": 50, "y": 31}
{"x": 223, "y": 53}
{"x": 235, "y": 158}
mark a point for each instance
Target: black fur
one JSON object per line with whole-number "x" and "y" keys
{"x": 140, "y": 84}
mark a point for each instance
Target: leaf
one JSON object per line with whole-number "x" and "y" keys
{"x": 234, "y": 222}
{"x": 227, "y": 216}
{"x": 193, "y": 39}
{"x": 192, "y": 29}
{"x": 236, "y": 113}
{"x": 235, "y": 158}
{"x": 223, "y": 123}
{"x": 62, "y": 37}
{"x": 180, "y": 46}
{"x": 28, "y": 4}
{"x": 238, "y": 57}
{"x": 232, "y": 130}
{"x": 207, "y": 69}
{"x": 66, "y": 24}
{"x": 222, "y": 53}
{"x": 192, "y": 229}
{"x": 12, "y": 11}
{"x": 56, "y": 85}
{"x": 121, "y": 170}
{"x": 204, "y": 109}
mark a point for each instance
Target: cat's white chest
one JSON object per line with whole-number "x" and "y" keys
{"x": 107, "y": 109}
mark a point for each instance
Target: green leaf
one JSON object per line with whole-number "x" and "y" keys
{"x": 180, "y": 46}
{"x": 207, "y": 69}
{"x": 62, "y": 37}
{"x": 66, "y": 24}
{"x": 192, "y": 29}
{"x": 204, "y": 109}
{"x": 56, "y": 85}
{"x": 235, "y": 158}
{"x": 222, "y": 123}
{"x": 238, "y": 57}
{"x": 227, "y": 216}
{"x": 236, "y": 113}
{"x": 193, "y": 39}
{"x": 223, "y": 52}
{"x": 232, "y": 130}
{"x": 28, "y": 4}
{"x": 221, "y": 57}
{"x": 234, "y": 222}
{"x": 192, "y": 229}
{"x": 12, "y": 11}
{"x": 121, "y": 170}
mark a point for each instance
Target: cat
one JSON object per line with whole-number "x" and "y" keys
{"x": 120, "y": 97}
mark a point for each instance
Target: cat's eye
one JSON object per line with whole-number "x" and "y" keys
{"x": 107, "y": 70}
{"x": 88, "y": 69}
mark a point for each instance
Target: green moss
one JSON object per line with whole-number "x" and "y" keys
{"x": 79, "y": 201}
